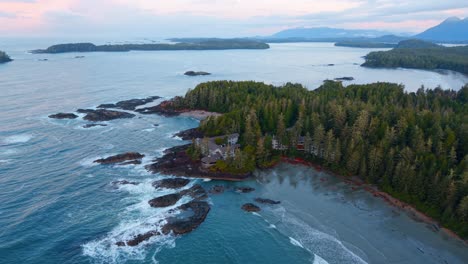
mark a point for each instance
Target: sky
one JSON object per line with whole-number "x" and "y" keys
{"x": 217, "y": 18}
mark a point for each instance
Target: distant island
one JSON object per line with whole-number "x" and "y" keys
{"x": 411, "y": 145}
{"x": 418, "y": 54}
{"x": 372, "y": 45}
{"x": 217, "y": 44}
{"x": 4, "y": 57}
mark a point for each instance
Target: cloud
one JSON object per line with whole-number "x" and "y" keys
{"x": 224, "y": 18}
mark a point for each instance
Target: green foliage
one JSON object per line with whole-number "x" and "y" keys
{"x": 421, "y": 55}
{"x": 413, "y": 145}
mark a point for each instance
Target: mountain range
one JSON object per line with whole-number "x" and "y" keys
{"x": 452, "y": 30}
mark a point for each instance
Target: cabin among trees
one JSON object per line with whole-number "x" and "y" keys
{"x": 412, "y": 145}
{"x": 217, "y": 148}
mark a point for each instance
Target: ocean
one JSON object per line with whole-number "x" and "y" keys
{"x": 57, "y": 206}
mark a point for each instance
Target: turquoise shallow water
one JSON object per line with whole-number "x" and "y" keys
{"x": 57, "y": 207}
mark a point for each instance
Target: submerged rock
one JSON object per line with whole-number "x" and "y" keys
{"x": 250, "y": 207}
{"x": 244, "y": 189}
{"x": 130, "y": 104}
{"x": 129, "y": 156}
{"x": 196, "y": 73}
{"x": 217, "y": 189}
{"x": 63, "y": 116}
{"x": 165, "y": 200}
{"x": 266, "y": 201}
{"x": 172, "y": 183}
{"x": 103, "y": 114}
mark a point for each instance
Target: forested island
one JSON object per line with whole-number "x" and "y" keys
{"x": 419, "y": 54}
{"x": 4, "y": 57}
{"x": 413, "y": 146}
{"x": 215, "y": 44}
{"x": 372, "y": 45}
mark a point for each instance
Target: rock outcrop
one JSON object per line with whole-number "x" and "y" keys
{"x": 196, "y": 73}
{"x": 266, "y": 201}
{"x": 249, "y": 207}
{"x": 172, "y": 183}
{"x": 121, "y": 159}
{"x": 63, "y": 116}
{"x": 130, "y": 104}
{"x": 244, "y": 189}
{"x": 103, "y": 114}
{"x": 165, "y": 200}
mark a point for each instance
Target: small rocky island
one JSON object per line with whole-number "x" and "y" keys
{"x": 212, "y": 44}
{"x": 196, "y": 73}
{"x": 4, "y": 57}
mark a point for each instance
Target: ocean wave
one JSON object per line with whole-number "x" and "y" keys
{"x": 295, "y": 242}
{"x": 319, "y": 260}
{"x": 314, "y": 240}
{"x": 15, "y": 139}
{"x": 137, "y": 218}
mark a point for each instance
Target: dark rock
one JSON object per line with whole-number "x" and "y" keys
{"x": 190, "y": 134}
{"x": 64, "y": 116}
{"x": 79, "y": 57}
{"x": 103, "y": 114}
{"x": 330, "y": 64}
{"x": 198, "y": 210}
{"x": 249, "y": 207}
{"x": 176, "y": 162}
{"x": 138, "y": 239}
{"x": 172, "y": 183}
{"x": 197, "y": 192}
{"x": 166, "y": 200}
{"x": 196, "y": 73}
{"x": 93, "y": 125}
{"x": 120, "y": 158}
{"x": 266, "y": 201}
{"x": 217, "y": 189}
{"x": 130, "y": 104}
{"x": 165, "y": 109}
{"x": 244, "y": 189}
{"x": 155, "y": 125}
{"x": 124, "y": 182}
{"x": 344, "y": 79}
{"x": 42, "y": 59}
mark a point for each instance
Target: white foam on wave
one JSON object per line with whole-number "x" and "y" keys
{"x": 206, "y": 180}
{"x": 4, "y": 162}
{"x": 314, "y": 240}
{"x": 272, "y": 226}
{"x": 295, "y": 242}
{"x": 15, "y": 139}
{"x": 149, "y": 129}
{"x": 137, "y": 218}
{"x": 319, "y": 260}
{"x": 257, "y": 214}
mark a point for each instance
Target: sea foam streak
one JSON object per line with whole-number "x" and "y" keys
{"x": 314, "y": 240}
{"x": 15, "y": 139}
{"x": 137, "y": 218}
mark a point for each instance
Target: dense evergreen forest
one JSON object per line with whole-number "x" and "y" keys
{"x": 412, "y": 145}
{"x": 214, "y": 44}
{"x": 421, "y": 55}
{"x": 4, "y": 57}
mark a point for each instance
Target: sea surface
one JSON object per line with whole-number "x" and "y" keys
{"x": 57, "y": 206}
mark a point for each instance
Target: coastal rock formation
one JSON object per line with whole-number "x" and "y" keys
{"x": 198, "y": 210}
{"x": 249, "y": 207}
{"x": 121, "y": 158}
{"x": 190, "y": 134}
{"x": 217, "y": 189}
{"x": 172, "y": 183}
{"x": 163, "y": 109}
{"x": 63, "y": 116}
{"x": 138, "y": 239}
{"x": 196, "y": 73}
{"x": 124, "y": 182}
{"x": 176, "y": 162}
{"x": 197, "y": 192}
{"x": 166, "y": 200}
{"x": 103, "y": 114}
{"x": 266, "y": 201}
{"x": 93, "y": 125}
{"x": 130, "y": 104}
{"x": 244, "y": 189}
{"x": 4, "y": 57}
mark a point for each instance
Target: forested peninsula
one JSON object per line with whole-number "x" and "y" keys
{"x": 419, "y": 54}
{"x": 218, "y": 44}
{"x": 413, "y": 146}
{"x": 4, "y": 57}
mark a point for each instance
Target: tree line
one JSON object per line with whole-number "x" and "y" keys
{"x": 412, "y": 145}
